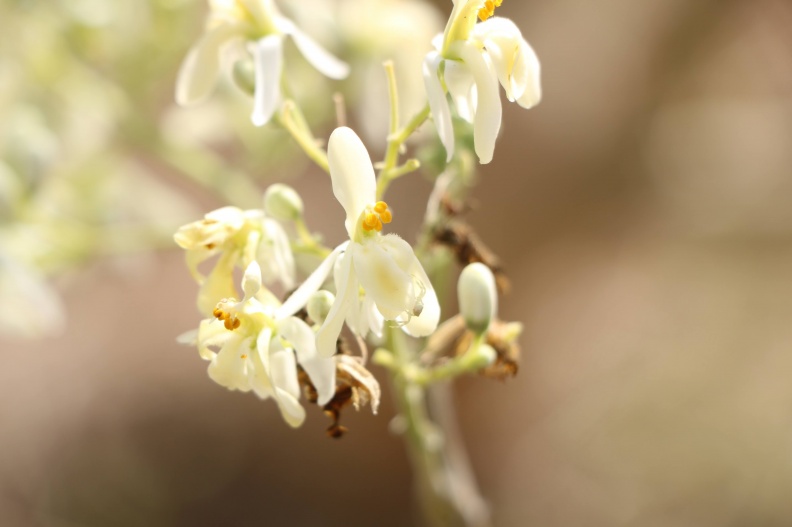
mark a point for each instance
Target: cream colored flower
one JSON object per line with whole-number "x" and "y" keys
{"x": 469, "y": 61}
{"x": 377, "y": 277}
{"x": 239, "y": 238}
{"x": 250, "y": 348}
{"x": 257, "y": 28}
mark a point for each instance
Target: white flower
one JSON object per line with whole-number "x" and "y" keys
{"x": 394, "y": 284}
{"x": 259, "y": 351}
{"x": 255, "y": 27}
{"x": 239, "y": 237}
{"x": 472, "y": 58}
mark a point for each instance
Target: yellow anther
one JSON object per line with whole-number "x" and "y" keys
{"x": 489, "y": 9}
{"x": 371, "y": 219}
{"x": 386, "y": 216}
{"x": 381, "y": 207}
{"x": 243, "y": 356}
{"x": 232, "y": 323}
{"x": 378, "y": 226}
{"x": 367, "y": 228}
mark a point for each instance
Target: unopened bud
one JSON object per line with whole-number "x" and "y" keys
{"x": 478, "y": 298}
{"x": 319, "y": 306}
{"x": 479, "y": 357}
{"x": 283, "y": 203}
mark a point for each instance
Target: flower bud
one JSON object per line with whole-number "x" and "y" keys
{"x": 319, "y": 306}
{"x": 478, "y": 298}
{"x": 283, "y": 203}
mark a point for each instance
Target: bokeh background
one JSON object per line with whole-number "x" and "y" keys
{"x": 642, "y": 212}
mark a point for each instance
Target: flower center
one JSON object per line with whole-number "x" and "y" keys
{"x": 489, "y": 9}
{"x": 375, "y": 216}
{"x": 223, "y": 312}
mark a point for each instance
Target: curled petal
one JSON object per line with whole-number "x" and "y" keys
{"x": 321, "y": 59}
{"x": 283, "y": 375}
{"x": 200, "y": 69}
{"x": 438, "y": 103}
{"x": 426, "y": 322}
{"x": 352, "y": 174}
{"x": 321, "y": 370}
{"x": 268, "y": 57}
{"x": 532, "y": 93}
{"x": 488, "y": 106}
{"x": 347, "y": 286}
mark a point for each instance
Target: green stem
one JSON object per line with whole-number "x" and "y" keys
{"x": 389, "y": 171}
{"x": 292, "y": 119}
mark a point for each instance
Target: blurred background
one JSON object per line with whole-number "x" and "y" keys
{"x": 641, "y": 211}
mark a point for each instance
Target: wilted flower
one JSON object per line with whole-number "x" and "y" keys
{"x": 257, "y": 28}
{"x": 471, "y": 59}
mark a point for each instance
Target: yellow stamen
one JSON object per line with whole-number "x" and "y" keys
{"x": 371, "y": 220}
{"x": 489, "y": 9}
{"x": 243, "y": 356}
{"x": 386, "y": 216}
{"x": 378, "y": 226}
{"x": 381, "y": 207}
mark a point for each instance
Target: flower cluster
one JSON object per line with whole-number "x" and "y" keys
{"x": 291, "y": 346}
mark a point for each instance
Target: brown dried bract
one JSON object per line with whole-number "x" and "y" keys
{"x": 468, "y": 249}
{"x": 354, "y": 384}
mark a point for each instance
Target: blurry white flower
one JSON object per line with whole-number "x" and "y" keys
{"x": 378, "y": 276}
{"x": 239, "y": 237}
{"x": 259, "y": 351}
{"x": 469, "y": 61}
{"x": 255, "y": 27}
{"x": 478, "y": 297}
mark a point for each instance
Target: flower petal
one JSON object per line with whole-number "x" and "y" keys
{"x": 438, "y": 104}
{"x": 347, "y": 286}
{"x": 312, "y": 284}
{"x": 321, "y": 59}
{"x": 488, "y": 106}
{"x": 228, "y": 367}
{"x": 219, "y": 284}
{"x": 268, "y": 58}
{"x": 200, "y": 69}
{"x": 532, "y": 93}
{"x": 352, "y": 174}
{"x": 461, "y": 86}
{"x": 275, "y": 253}
{"x": 425, "y": 323}
{"x": 381, "y": 265}
{"x": 321, "y": 370}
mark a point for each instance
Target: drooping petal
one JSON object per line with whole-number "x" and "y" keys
{"x": 268, "y": 58}
{"x": 312, "y": 284}
{"x": 352, "y": 174}
{"x": 321, "y": 59}
{"x": 488, "y": 106}
{"x": 438, "y": 104}
{"x": 200, "y": 69}
{"x": 259, "y": 374}
{"x": 532, "y": 93}
{"x": 291, "y": 409}
{"x": 321, "y": 370}
{"x": 461, "y": 86}
{"x": 381, "y": 265}
{"x": 283, "y": 369}
{"x": 347, "y": 286}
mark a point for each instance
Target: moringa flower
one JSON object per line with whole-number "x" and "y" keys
{"x": 258, "y": 27}
{"x": 239, "y": 237}
{"x": 471, "y": 59}
{"x": 259, "y": 351}
{"x": 378, "y": 277}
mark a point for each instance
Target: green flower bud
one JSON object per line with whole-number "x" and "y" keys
{"x": 283, "y": 203}
{"x": 319, "y": 306}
